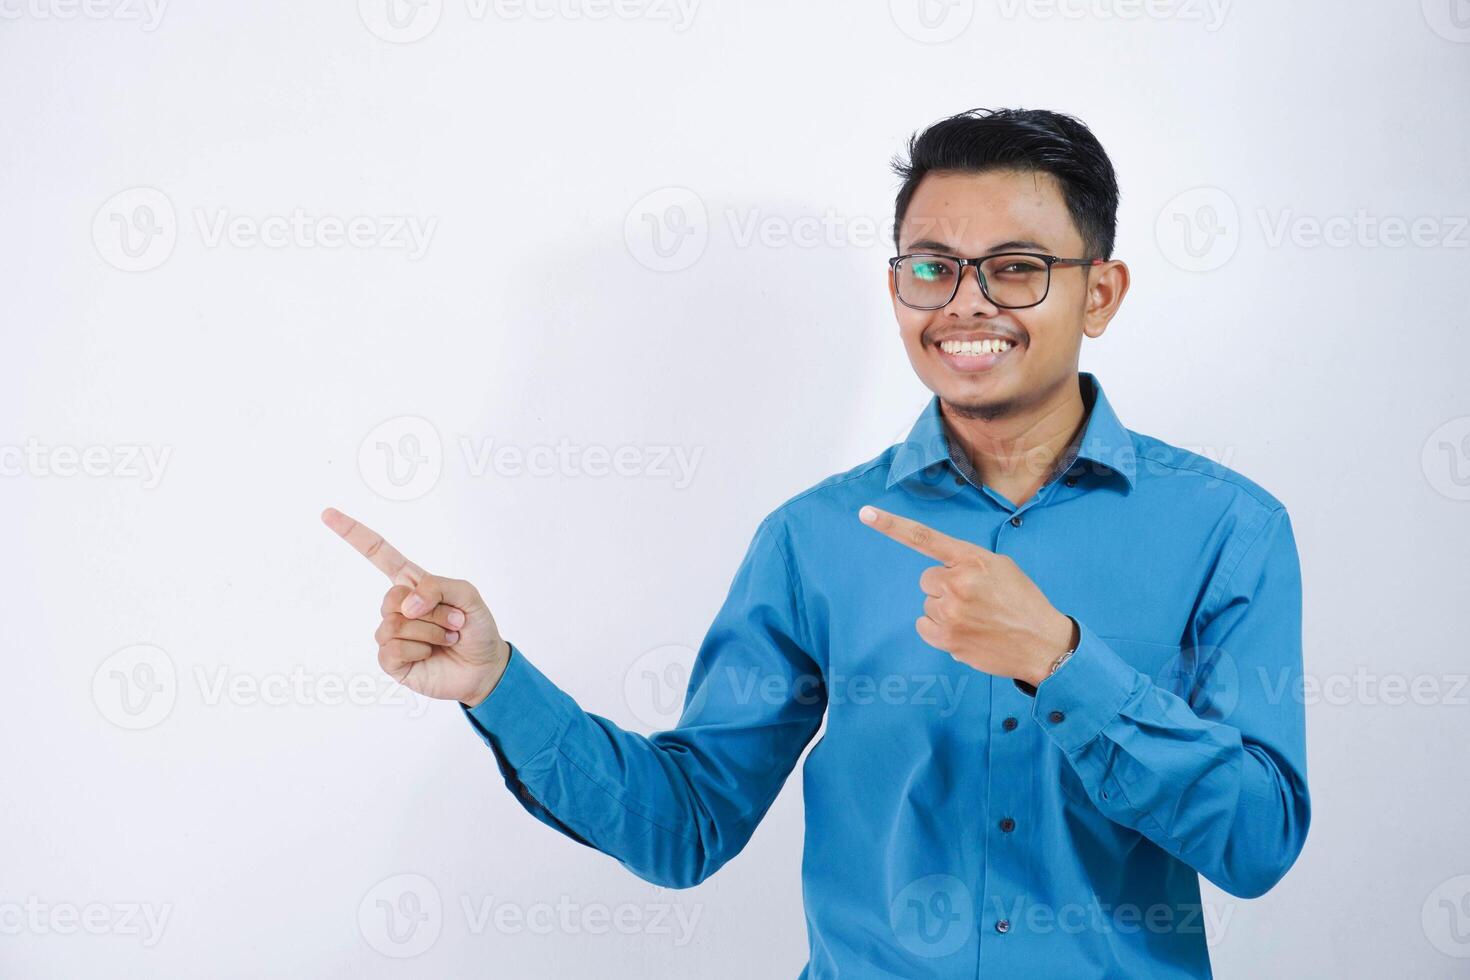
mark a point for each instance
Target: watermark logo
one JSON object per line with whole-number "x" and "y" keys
{"x": 654, "y": 685}
{"x": 136, "y": 687}
{"x": 932, "y": 21}
{"x": 135, "y": 230}
{"x": 667, "y": 230}
{"x": 400, "y": 21}
{"x": 402, "y": 458}
{"x": 1446, "y": 917}
{"x": 1199, "y": 230}
{"x": 401, "y": 916}
{"x": 1450, "y": 19}
{"x": 1204, "y": 676}
{"x": 1445, "y": 459}
{"x": 933, "y": 916}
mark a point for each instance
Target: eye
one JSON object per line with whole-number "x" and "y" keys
{"x": 1019, "y": 267}
{"x": 930, "y": 270}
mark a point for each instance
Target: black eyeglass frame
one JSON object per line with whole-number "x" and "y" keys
{"x": 1050, "y": 261}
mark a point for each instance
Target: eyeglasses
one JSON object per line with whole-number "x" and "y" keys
{"x": 1010, "y": 280}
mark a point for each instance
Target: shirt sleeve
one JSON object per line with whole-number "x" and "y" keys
{"x": 1210, "y": 766}
{"x": 674, "y": 806}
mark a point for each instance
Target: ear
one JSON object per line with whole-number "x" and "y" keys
{"x": 1106, "y": 286}
{"x": 892, "y": 285}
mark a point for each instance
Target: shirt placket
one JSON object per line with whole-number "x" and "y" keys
{"x": 1010, "y": 796}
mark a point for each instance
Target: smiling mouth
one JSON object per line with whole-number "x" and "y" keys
{"x": 974, "y": 356}
{"x": 975, "y": 348}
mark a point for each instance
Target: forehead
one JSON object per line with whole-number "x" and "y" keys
{"x": 972, "y": 213}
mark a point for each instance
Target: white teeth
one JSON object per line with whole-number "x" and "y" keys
{"x": 975, "y": 348}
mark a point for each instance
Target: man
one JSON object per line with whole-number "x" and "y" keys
{"x": 1056, "y": 656}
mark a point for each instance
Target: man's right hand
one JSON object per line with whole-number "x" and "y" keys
{"x": 437, "y": 636}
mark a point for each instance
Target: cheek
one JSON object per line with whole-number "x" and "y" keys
{"x": 1042, "y": 333}
{"x": 911, "y": 325}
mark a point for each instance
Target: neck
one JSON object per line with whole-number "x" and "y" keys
{"x": 1014, "y": 447}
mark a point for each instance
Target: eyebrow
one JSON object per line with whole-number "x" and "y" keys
{"x": 930, "y": 245}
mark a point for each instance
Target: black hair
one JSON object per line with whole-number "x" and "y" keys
{"x": 981, "y": 140}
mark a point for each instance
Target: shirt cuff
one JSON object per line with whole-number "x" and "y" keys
{"x": 1087, "y": 691}
{"x": 524, "y": 713}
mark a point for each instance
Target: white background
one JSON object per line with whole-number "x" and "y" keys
{"x": 263, "y": 823}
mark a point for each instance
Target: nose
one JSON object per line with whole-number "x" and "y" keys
{"x": 969, "y": 298}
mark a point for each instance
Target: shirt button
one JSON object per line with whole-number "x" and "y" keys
{"x": 1007, "y": 825}
{"x": 1070, "y": 481}
{"x": 1009, "y": 724}
{"x": 1016, "y": 521}
{"x": 959, "y": 481}
{"x": 1056, "y": 716}
{"x": 1004, "y": 925}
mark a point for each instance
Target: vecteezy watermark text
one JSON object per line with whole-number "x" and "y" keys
{"x": 403, "y": 915}
{"x": 35, "y": 917}
{"x": 402, "y": 459}
{"x": 136, "y": 230}
{"x": 123, "y": 461}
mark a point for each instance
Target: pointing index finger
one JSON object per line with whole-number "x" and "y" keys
{"x": 370, "y": 544}
{"x": 920, "y": 537}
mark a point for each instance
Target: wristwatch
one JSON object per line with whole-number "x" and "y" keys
{"x": 1030, "y": 689}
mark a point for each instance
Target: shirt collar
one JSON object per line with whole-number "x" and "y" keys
{"x": 1104, "y": 439}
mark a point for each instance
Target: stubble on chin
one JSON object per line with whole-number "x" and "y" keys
{"x": 980, "y": 411}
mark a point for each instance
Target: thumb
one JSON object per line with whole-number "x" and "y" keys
{"x": 433, "y": 590}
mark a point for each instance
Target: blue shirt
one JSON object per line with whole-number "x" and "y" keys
{"x": 955, "y": 825}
